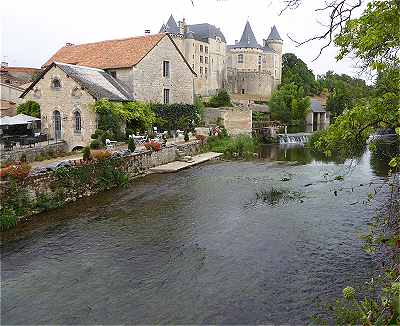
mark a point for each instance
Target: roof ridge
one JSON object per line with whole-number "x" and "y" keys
{"x": 114, "y": 40}
{"x": 79, "y": 66}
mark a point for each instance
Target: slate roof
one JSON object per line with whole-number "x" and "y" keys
{"x": 121, "y": 53}
{"x": 316, "y": 106}
{"x": 203, "y": 32}
{"x": 96, "y": 82}
{"x": 170, "y": 27}
{"x": 274, "y": 35}
{"x": 248, "y": 40}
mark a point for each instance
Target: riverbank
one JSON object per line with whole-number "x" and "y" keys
{"x": 45, "y": 190}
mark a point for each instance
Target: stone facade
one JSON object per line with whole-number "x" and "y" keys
{"x": 236, "y": 121}
{"x": 66, "y": 100}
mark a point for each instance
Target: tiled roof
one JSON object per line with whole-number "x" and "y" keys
{"x": 20, "y": 70}
{"x": 120, "y": 53}
{"x": 316, "y": 105}
{"x": 96, "y": 82}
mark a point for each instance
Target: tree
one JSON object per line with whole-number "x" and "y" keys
{"x": 31, "y": 108}
{"x": 294, "y": 70}
{"x": 289, "y": 103}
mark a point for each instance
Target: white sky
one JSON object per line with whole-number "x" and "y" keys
{"x": 31, "y": 31}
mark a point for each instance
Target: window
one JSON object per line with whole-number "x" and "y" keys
{"x": 206, "y": 49}
{"x": 56, "y": 83}
{"x": 242, "y": 90}
{"x": 166, "y": 96}
{"x": 78, "y": 122}
{"x": 201, "y": 48}
{"x": 259, "y": 67}
{"x": 201, "y": 70}
{"x": 240, "y": 58}
{"x": 166, "y": 69}
{"x": 206, "y": 60}
{"x": 8, "y": 81}
{"x": 37, "y": 92}
{"x": 57, "y": 124}
{"x": 113, "y": 73}
{"x": 259, "y": 59}
{"x": 205, "y": 71}
{"x": 76, "y": 92}
{"x": 201, "y": 59}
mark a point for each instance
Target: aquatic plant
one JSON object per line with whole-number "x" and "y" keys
{"x": 276, "y": 196}
{"x": 242, "y": 146}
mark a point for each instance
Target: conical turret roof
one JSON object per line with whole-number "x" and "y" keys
{"x": 170, "y": 27}
{"x": 248, "y": 40}
{"x": 274, "y": 35}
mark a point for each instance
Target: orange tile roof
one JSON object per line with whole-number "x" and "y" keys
{"x": 108, "y": 54}
{"x": 19, "y": 69}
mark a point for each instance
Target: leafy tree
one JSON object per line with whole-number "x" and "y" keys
{"x": 176, "y": 116}
{"x": 294, "y": 70}
{"x": 222, "y": 99}
{"x": 31, "y": 108}
{"x": 289, "y": 103}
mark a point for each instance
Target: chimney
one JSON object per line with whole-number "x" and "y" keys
{"x": 147, "y": 32}
{"x": 69, "y": 44}
{"x": 264, "y": 42}
{"x": 4, "y": 64}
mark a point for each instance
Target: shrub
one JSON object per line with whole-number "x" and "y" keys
{"x": 152, "y": 146}
{"x": 101, "y": 154}
{"x": 131, "y": 145}
{"x": 220, "y": 100}
{"x": 31, "y": 108}
{"x": 19, "y": 171}
{"x": 95, "y": 144}
{"x": 176, "y": 116}
{"x": 23, "y": 158}
{"x": 186, "y": 136}
{"x": 8, "y": 218}
{"x": 86, "y": 154}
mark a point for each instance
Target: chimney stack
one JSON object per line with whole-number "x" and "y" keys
{"x": 147, "y": 31}
{"x": 69, "y": 44}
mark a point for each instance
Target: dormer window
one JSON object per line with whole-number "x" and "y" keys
{"x": 37, "y": 92}
{"x": 56, "y": 83}
{"x": 76, "y": 92}
{"x": 240, "y": 58}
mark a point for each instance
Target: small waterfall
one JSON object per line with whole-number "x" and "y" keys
{"x": 293, "y": 139}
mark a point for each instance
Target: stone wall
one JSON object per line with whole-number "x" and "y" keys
{"x": 67, "y": 99}
{"x": 32, "y": 153}
{"x": 236, "y": 121}
{"x": 149, "y": 83}
{"x": 68, "y": 184}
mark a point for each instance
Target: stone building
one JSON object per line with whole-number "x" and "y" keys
{"x": 152, "y": 67}
{"x": 204, "y": 47}
{"x": 65, "y": 93}
{"x": 254, "y": 70}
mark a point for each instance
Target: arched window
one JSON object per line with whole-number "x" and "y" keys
{"x": 56, "y": 83}
{"x": 78, "y": 122}
{"x": 76, "y": 92}
{"x": 57, "y": 124}
{"x": 37, "y": 92}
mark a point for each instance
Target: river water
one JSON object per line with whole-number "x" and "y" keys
{"x": 198, "y": 246}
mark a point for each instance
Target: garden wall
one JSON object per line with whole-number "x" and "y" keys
{"x": 32, "y": 152}
{"x": 53, "y": 189}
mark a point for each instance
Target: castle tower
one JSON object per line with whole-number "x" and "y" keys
{"x": 275, "y": 42}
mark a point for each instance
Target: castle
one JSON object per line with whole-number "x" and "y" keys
{"x": 248, "y": 70}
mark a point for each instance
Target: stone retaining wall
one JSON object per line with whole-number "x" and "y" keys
{"x": 66, "y": 185}
{"x": 32, "y": 152}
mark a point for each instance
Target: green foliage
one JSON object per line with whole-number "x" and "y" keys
{"x": 8, "y": 218}
{"x": 176, "y": 116}
{"x": 241, "y": 146}
{"x": 112, "y": 115}
{"x": 96, "y": 144}
{"x": 344, "y": 92}
{"x": 221, "y": 99}
{"x": 295, "y": 71}
{"x": 86, "y": 154}
{"x": 31, "y": 108}
{"x": 289, "y": 103}
{"x": 198, "y": 103}
{"x": 186, "y": 136}
{"x": 131, "y": 145}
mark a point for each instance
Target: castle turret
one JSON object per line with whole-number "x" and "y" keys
{"x": 275, "y": 42}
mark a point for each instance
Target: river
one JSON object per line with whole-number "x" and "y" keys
{"x": 200, "y": 246}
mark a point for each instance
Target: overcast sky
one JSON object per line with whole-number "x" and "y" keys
{"x": 31, "y": 31}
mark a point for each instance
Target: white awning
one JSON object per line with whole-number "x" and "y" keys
{"x": 19, "y": 119}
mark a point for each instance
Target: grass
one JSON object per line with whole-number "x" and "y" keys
{"x": 241, "y": 146}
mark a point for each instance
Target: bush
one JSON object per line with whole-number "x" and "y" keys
{"x": 101, "y": 154}
{"x": 176, "y": 116}
{"x": 95, "y": 144}
{"x": 222, "y": 99}
{"x": 131, "y": 145}
{"x": 152, "y": 146}
{"x": 86, "y": 154}
{"x": 31, "y": 108}
{"x": 8, "y": 218}
{"x": 241, "y": 146}
{"x": 186, "y": 136}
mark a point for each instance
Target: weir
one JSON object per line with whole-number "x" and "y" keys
{"x": 297, "y": 138}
